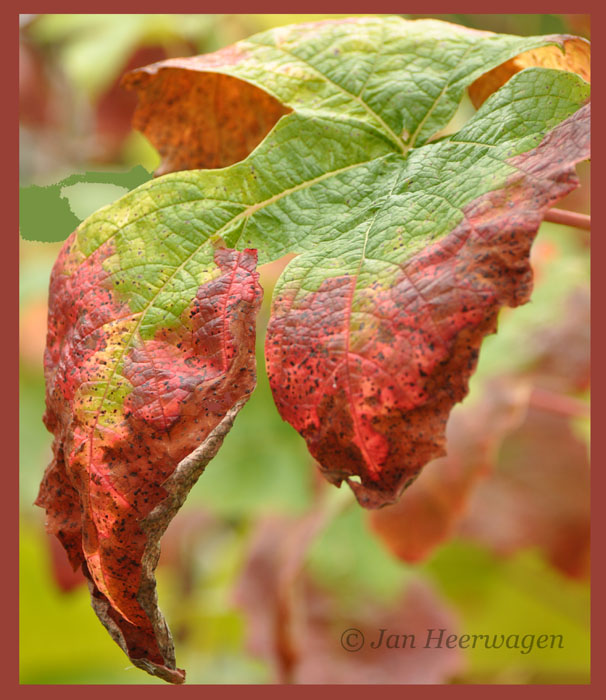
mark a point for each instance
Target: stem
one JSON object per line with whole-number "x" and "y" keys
{"x": 290, "y": 561}
{"x": 568, "y": 218}
{"x": 559, "y": 403}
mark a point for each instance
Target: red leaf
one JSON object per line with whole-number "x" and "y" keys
{"x": 538, "y": 495}
{"x": 297, "y": 626}
{"x": 113, "y": 486}
{"x": 114, "y": 108}
{"x": 563, "y": 361}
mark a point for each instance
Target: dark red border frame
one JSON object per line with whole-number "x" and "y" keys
{"x": 9, "y": 585}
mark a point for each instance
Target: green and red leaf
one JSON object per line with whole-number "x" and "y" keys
{"x": 405, "y": 248}
{"x": 135, "y": 423}
{"x": 367, "y": 368}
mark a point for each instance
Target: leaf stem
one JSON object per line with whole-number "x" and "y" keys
{"x": 302, "y": 534}
{"x": 568, "y": 218}
{"x": 559, "y": 403}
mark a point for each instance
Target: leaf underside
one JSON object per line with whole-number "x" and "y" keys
{"x": 406, "y": 249}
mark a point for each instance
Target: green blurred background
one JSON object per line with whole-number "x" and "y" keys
{"x": 517, "y": 567}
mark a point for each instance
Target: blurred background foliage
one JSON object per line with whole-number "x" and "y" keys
{"x": 266, "y": 565}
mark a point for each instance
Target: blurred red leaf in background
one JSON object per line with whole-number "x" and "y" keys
{"x": 428, "y": 512}
{"x": 538, "y": 495}
{"x": 297, "y": 626}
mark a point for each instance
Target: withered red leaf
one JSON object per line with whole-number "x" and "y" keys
{"x": 122, "y": 469}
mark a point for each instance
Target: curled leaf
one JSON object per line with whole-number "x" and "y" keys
{"x": 570, "y": 53}
{"x": 136, "y": 419}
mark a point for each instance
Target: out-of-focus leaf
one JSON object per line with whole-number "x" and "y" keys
{"x": 32, "y": 336}
{"x": 538, "y": 495}
{"x": 114, "y": 107}
{"x": 562, "y": 351}
{"x": 35, "y": 91}
{"x": 301, "y": 629}
{"x": 64, "y": 574}
{"x": 429, "y": 511}
{"x": 262, "y": 467}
